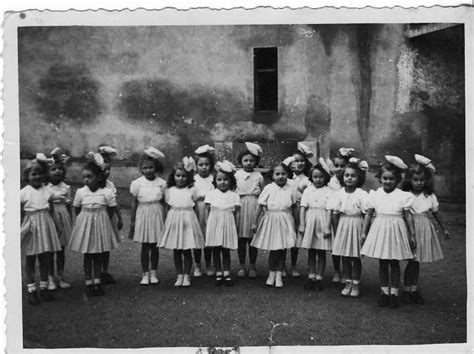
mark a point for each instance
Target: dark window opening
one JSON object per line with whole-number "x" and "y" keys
{"x": 265, "y": 62}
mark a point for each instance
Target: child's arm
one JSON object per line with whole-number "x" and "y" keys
{"x": 296, "y": 215}
{"x": 237, "y": 217}
{"x": 111, "y": 211}
{"x": 207, "y": 210}
{"x": 335, "y": 220}
{"x": 259, "y": 211}
{"x": 119, "y": 217}
{"x": 407, "y": 215}
{"x": 77, "y": 210}
{"x": 439, "y": 219}
{"x": 302, "y": 226}
{"x": 133, "y": 214}
{"x": 366, "y": 226}
{"x": 327, "y": 230}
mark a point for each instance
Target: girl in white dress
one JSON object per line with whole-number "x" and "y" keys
{"x": 249, "y": 186}
{"x": 419, "y": 182}
{"x": 315, "y": 224}
{"x": 349, "y": 207}
{"x": 340, "y": 161}
{"x": 203, "y": 183}
{"x": 276, "y": 231}
{"x": 38, "y": 231}
{"x": 300, "y": 166}
{"x": 62, "y": 215}
{"x": 391, "y": 237}
{"x": 147, "y": 214}
{"x": 223, "y": 213}
{"x": 107, "y": 153}
{"x": 182, "y": 232}
{"x": 93, "y": 233}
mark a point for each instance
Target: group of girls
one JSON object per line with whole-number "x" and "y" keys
{"x": 211, "y": 206}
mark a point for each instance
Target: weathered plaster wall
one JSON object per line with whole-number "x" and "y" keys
{"x": 365, "y": 86}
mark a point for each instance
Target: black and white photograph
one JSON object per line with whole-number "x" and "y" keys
{"x": 266, "y": 180}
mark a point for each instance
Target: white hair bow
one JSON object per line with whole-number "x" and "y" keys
{"x": 189, "y": 164}
{"x": 108, "y": 150}
{"x": 346, "y": 152}
{"x": 225, "y": 166}
{"x": 305, "y": 150}
{"x": 204, "y": 149}
{"x": 154, "y": 153}
{"x": 96, "y": 158}
{"x": 424, "y": 161}
{"x": 396, "y": 161}
{"x": 254, "y": 149}
{"x": 324, "y": 165}
{"x": 289, "y": 160}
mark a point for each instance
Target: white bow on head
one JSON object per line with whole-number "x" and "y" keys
{"x": 204, "y": 149}
{"x": 396, "y": 161}
{"x": 108, "y": 150}
{"x": 154, "y": 153}
{"x": 424, "y": 161}
{"x": 324, "y": 165}
{"x": 330, "y": 165}
{"x": 289, "y": 160}
{"x": 346, "y": 152}
{"x": 189, "y": 164}
{"x": 254, "y": 149}
{"x": 96, "y": 158}
{"x": 304, "y": 149}
{"x": 225, "y": 166}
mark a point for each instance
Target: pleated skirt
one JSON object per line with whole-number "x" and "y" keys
{"x": 62, "y": 218}
{"x": 221, "y": 229}
{"x": 182, "y": 230}
{"x": 38, "y": 233}
{"x": 276, "y": 231}
{"x": 149, "y": 222}
{"x": 428, "y": 248}
{"x": 93, "y": 232}
{"x": 248, "y": 215}
{"x": 347, "y": 240}
{"x": 387, "y": 239}
{"x": 313, "y": 237}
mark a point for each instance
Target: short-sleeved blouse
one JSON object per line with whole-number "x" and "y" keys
{"x": 109, "y": 184}
{"x": 101, "y": 197}
{"x": 148, "y": 191}
{"x": 275, "y": 197}
{"x": 218, "y": 199}
{"x": 349, "y": 203}
{"x": 248, "y": 183}
{"x": 33, "y": 199}
{"x": 424, "y": 203}
{"x": 389, "y": 203}
{"x": 181, "y": 197}
{"x": 203, "y": 185}
{"x": 61, "y": 191}
{"x": 316, "y": 197}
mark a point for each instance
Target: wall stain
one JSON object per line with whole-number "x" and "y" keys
{"x": 328, "y": 33}
{"x": 317, "y": 117}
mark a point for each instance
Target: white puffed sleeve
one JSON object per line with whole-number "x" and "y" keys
{"x": 134, "y": 188}
{"x": 78, "y": 199}
{"x": 305, "y": 198}
{"x": 263, "y": 197}
{"x": 236, "y": 199}
{"x": 110, "y": 197}
{"x": 407, "y": 200}
{"x": 434, "y": 203}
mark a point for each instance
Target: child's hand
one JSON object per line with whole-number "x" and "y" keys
{"x": 254, "y": 227}
{"x": 301, "y": 229}
{"x": 119, "y": 224}
{"x": 132, "y": 231}
{"x": 327, "y": 233}
{"x": 446, "y": 235}
{"x": 412, "y": 242}
{"x": 362, "y": 238}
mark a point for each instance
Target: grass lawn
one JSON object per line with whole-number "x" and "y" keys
{"x": 204, "y": 315}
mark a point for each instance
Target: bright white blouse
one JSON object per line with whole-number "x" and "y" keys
{"x": 276, "y": 197}
{"x": 148, "y": 191}
{"x": 316, "y": 197}
{"x": 181, "y": 197}
{"x": 248, "y": 182}
{"x": 390, "y": 203}
{"x": 61, "y": 191}
{"x": 33, "y": 199}
{"x": 101, "y": 197}
{"x": 424, "y": 203}
{"x": 203, "y": 185}
{"x": 349, "y": 203}
{"x": 218, "y": 199}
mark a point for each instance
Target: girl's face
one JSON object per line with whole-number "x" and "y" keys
{"x": 203, "y": 167}
{"x": 35, "y": 178}
{"x": 418, "y": 182}
{"x": 148, "y": 170}
{"x": 248, "y": 162}
{"x": 339, "y": 165}
{"x": 180, "y": 178}
{"x": 298, "y": 165}
{"x": 55, "y": 174}
{"x": 389, "y": 181}
{"x": 350, "y": 178}
{"x": 106, "y": 170}
{"x": 91, "y": 180}
{"x": 280, "y": 177}
{"x": 222, "y": 181}
{"x": 318, "y": 178}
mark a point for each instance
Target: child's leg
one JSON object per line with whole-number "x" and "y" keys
{"x": 97, "y": 262}
{"x": 44, "y": 260}
{"x": 312, "y": 263}
{"x": 383, "y": 273}
{"x": 30, "y": 271}
{"x": 347, "y": 266}
{"x": 356, "y": 268}
{"x": 321, "y": 264}
{"x": 51, "y": 265}
{"x": 253, "y": 253}
{"x": 60, "y": 261}
{"x": 144, "y": 257}
{"x": 216, "y": 254}
{"x": 88, "y": 268}
{"x": 272, "y": 261}
{"x": 105, "y": 261}
{"x": 188, "y": 261}
{"x": 416, "y": 273}
{"x": 242, "y": 251}
{"x": 197, "y": 257}
{"x": 336, "y": 261}
{"x": 226, "y": 260}
{"x": 155, "y": 256}
{"x": 208, "y": 256}
{"x": 281, "y": 260}
{"x": 394, "y": 274}
{"x": 178, "y": 261}
{"x": 294, "y": 259}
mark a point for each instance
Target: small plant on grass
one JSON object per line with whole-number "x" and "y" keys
{"x": 272, "y": 331}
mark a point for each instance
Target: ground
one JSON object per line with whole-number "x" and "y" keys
{"x": 205, "y": 315}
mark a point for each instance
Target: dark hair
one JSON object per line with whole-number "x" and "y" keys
{"x": 288, "y": 171}
{"x": 360, "y": 174}
{"x": 189, "y": 176}
{"x": 36, "y": 166}
{"x": 210, "y": 157}
{"x": 417, "y": 169}
{"x": 307, "y": 164}
{"x": 246, "y": 152}
{"x": 388, "y": 167}
{"x": 60, "y": 166}
{"x": 97, "y": 171}
{"x": 233, "y": 181}
{"x": 156, "y": 162}
{"x": 320, "y": 168}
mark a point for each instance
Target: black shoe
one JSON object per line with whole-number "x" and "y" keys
{"x": 219, "y": 281}
{"x": 384, "y": 301}
{"x": 106, "y": 279}
{"x": 319, "y": 284}
{"x": 46, "y": 295}
{"x": 33, "y": 298}
{"x": 90, "y": 290}
{"x": 405, "y": 298}
{"x": 310, "y": 284}
{"x": 228, "y": 281}
{"x": 416, "y": 298}
{"x": 98, "y": 290}
{"x": 394, "y": 304}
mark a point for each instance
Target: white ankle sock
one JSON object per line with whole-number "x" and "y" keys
{"x": 43, "y": 284}
{"x": 413, "y": 288}
{"x": 356, "y": 282}
{"x": 385, "y": 290}
{"x": 394, "y": 291}
{"x": 96, "y": 280}
{"x": 319, "y": 277}
{"x": 226, "y": 273}
{"x": 89, "y": 282}
{"x": 31, "y": 287}
{"x": 311, "y": 276}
